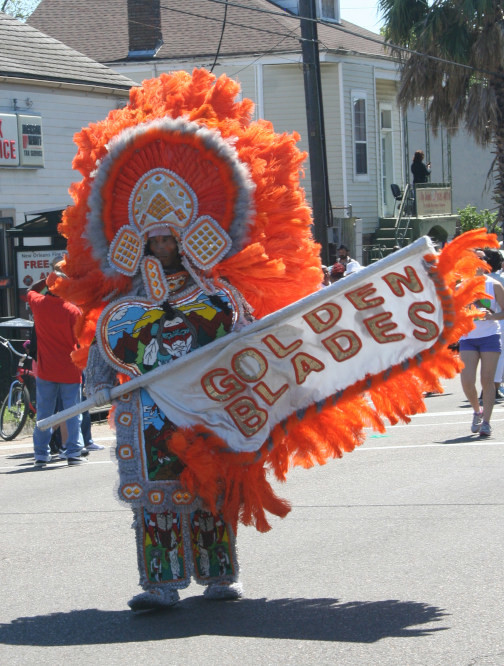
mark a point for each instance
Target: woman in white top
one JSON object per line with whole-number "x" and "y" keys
{"x": 483, "y": 345}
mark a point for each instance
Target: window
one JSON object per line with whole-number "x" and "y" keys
{"x": 360, "y": 133}
{"x": 328, "y": 10}
{"x": 387, "y": 153}
{"x": 386, "y": 119}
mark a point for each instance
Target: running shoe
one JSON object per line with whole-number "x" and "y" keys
{"x": 94, "y": 446}
{"x": 476, "y": 422}
{"x": 485, "y": 430}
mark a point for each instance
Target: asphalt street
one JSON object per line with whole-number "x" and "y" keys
{"x": 391, "y": 556}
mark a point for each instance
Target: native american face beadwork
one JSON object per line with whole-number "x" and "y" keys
{"x": 136, "y": 336}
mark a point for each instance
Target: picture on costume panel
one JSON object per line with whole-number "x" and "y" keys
{"x": 161, "y": 463}
{"x": 210, "y": 538}
{"x": 163, "y": 547}
{"x": 145, "y": 336}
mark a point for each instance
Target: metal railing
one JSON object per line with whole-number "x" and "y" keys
{"x": 403, "y": 220}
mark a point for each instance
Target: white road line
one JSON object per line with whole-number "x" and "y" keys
{"x": 29, "y": 445}
{"x": 30, "y": 464}
{"x": 457, "y": 412}
{"x": 431, "y": 424}
{"x": 365, "y": 446}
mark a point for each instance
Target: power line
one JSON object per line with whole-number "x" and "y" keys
{"x": 271, "y": 50}
{"x": 221, "y": 36}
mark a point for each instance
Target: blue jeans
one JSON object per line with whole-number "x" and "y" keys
{"x": 86, "y": 428}
{"x": 47, "y": 397}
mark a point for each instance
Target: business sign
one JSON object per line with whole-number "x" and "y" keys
{"x": 433, "y": 200}
{"x": 30, "y": 138}
{"x": 9, "y": 140}
{"x": 34, "y": 265}
{"x": 21, "y": 140}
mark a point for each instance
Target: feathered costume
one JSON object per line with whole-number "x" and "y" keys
{"x": 184, "y": 152}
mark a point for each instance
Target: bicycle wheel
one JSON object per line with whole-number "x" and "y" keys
{"x": 13, "y": 418}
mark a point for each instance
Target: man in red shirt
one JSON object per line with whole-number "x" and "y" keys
{"x": 57, "y": 376}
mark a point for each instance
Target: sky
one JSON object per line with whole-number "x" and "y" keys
{"x": 361, "y": 12}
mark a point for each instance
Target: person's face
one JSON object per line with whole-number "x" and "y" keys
{"x": 342, "y": 253}
{"x": 165, "y": 249}
{"x": 481, "y": 255}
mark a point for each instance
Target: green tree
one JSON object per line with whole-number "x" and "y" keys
{"x": 462, "y": 82}
{"x": 20, "y": 9}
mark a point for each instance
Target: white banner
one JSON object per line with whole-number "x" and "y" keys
{"x": 244, "y": 384}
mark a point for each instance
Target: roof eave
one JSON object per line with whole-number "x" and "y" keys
{"x": 69, "y": 84}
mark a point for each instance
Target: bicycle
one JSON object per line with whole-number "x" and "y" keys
{"x": 19, "y": 403}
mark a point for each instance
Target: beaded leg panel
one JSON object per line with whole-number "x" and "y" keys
{"x": 213, "y": 548}
{"x": 161, "y": 549}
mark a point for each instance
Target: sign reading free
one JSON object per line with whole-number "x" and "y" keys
{"x": 21, "y": 140}
{"x": 34, "y": 265}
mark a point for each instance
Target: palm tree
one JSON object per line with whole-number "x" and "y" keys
{"x": 455, "y": 68}
{"x": 20, "y": 9}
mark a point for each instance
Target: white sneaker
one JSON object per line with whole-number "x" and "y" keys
{"x": 94, "y": 447}
{"x": 485, "y": 430}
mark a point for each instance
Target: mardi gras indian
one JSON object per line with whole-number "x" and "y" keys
{"x": 188, "y": 228}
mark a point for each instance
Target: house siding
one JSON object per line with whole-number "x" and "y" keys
{"x": 284, "y": 106}
{"x": 332, "y": 124}
{"x": 363, "y": 195}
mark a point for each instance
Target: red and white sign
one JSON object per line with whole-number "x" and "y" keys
{"x": 9, "y": 140}
{"x": 34, "y": 265}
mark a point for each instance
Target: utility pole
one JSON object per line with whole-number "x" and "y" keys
{"x": 322, "y": 213}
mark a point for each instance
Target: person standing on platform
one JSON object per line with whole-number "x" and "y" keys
{"x": 419, "y": 169}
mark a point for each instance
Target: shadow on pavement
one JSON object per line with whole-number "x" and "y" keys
{"x": 296, "y": 619}
{"x": 460, "y": 440}
{"x": 30, "y": 467}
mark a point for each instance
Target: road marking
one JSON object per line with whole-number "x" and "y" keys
{"x": 29, "y": 445}
{"x": 60, "y": 463}
{"x": 458, "y": 412}
{"x": 431, "y": 424}
{"x": 478, "y": 442}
